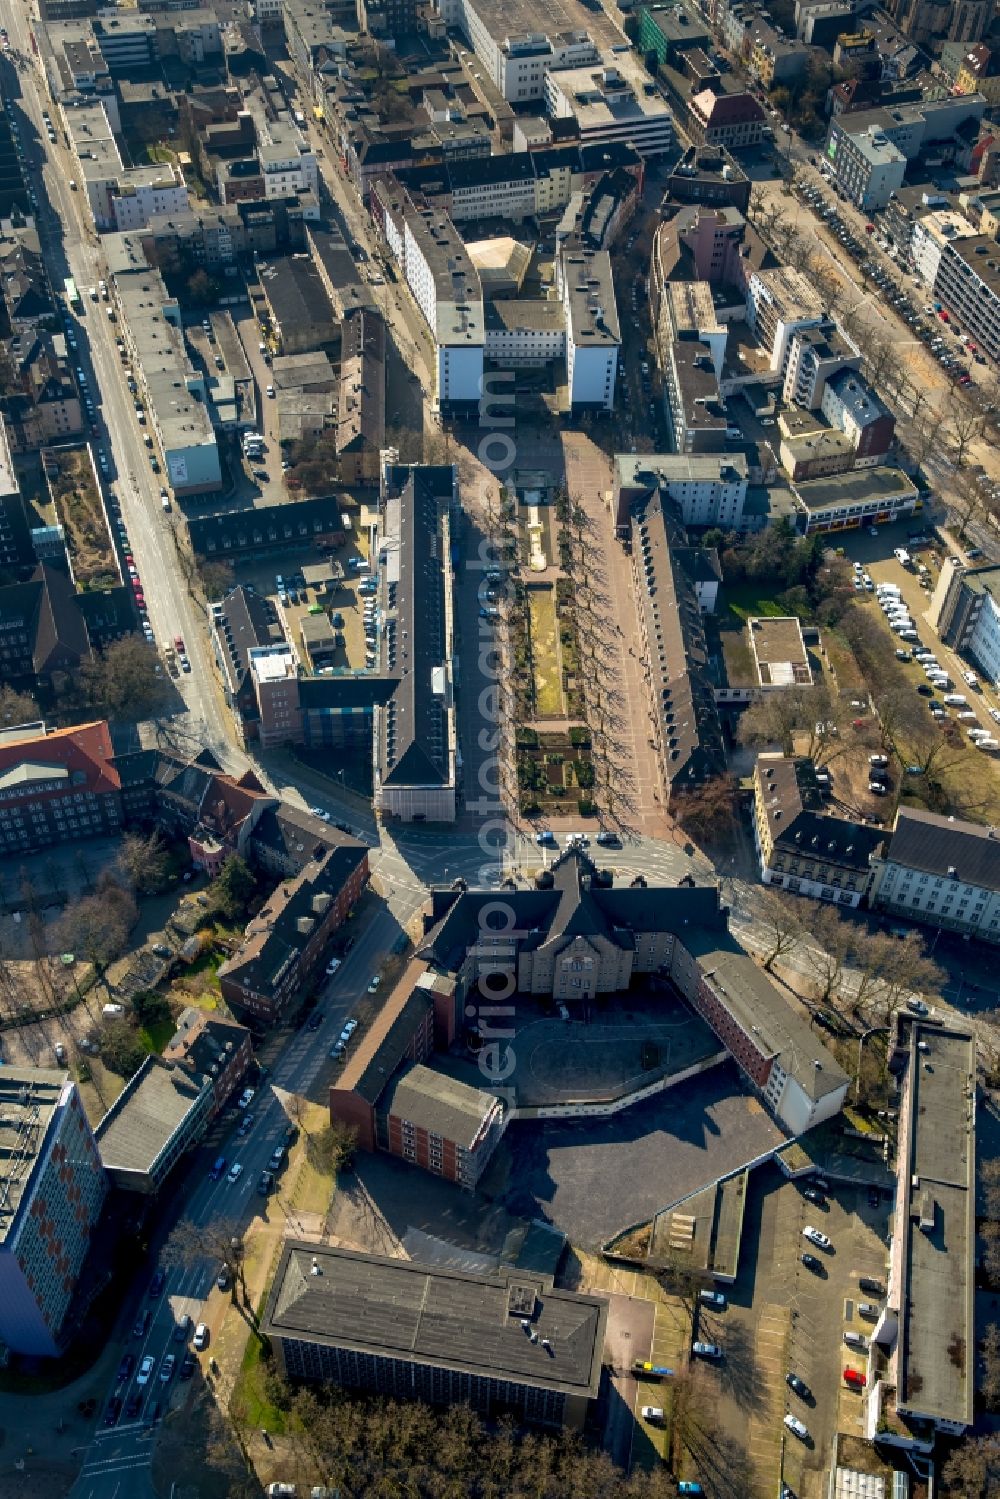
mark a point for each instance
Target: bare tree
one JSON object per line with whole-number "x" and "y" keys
{"x": 829, "y": 951}
{"x": 890, "y": 971}
{"x": 973, "y": 1469}
{"x": 98, "y": 926}
{"x": 989, "y": 1353}
{"x": 966, "y": 425}
{"x": 780, "y": 917}
{"x": 142, "y": 860}
{"x": 219, "y": 1241}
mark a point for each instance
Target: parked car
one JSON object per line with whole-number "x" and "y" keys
{"x": 812, "y": 1263}
{"x": 798, "y": 1385}
{"x": 712, "y": 1298}
{"x": 796, "y": 1426}
{"x": 145, "y": 1370}
{"x": 815, "y": 1237}
{"x": 707, "y": 1350}
{"x": 157, "y": 1283}
{"x": 167, "y": 1368}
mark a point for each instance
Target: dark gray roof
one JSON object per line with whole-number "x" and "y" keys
{"x": 938, "y": 845}
{"x": 265, "y": 526}
{"x": 429, "y": 1315}
{"x": 678, "y": 652}
{"x": 248, "y": 620}
{"x": 414, "y": 735}
{"x": 296, "y": 834}
{"x": 571, "y": 905}
{"x": 439, "y": 1104}
{"x": 361, "y": 689}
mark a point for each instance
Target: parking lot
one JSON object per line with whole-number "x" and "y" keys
{"x": 784, "y": 1318}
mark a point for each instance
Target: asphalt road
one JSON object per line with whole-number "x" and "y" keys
{"x": 117, "y": 1462}
{"x": 72, "y": 249}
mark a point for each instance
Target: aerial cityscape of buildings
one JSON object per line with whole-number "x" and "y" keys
{"x": 500, "y": 733}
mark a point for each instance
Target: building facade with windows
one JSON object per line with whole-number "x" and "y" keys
{"x": 965, "y": 611}
{"x": 801, "y": 847}
{"x": 52, "y": 1189}
{"x": 941, "y": 872}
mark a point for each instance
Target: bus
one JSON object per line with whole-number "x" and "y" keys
{"x": 72, "y": 295}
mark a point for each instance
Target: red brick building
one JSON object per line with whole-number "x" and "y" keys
{"x": 57, "y": 787}
{"x": 285, "y": 943}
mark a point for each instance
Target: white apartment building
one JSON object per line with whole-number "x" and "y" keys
{"x": 119, "y": 197}
{"x": 779, "y": 303}
{"x": 614, "y": 100}
{"x": 708, "y": 489}
{"x": 932, "y": 234}
{"x": 448, "y": 292}
{"x": 965, "y": 612}
{"x": 593, "y": 337}
{"x": 942, "y": 873}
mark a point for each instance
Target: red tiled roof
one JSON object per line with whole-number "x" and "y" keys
{"x": 86, "y": 748}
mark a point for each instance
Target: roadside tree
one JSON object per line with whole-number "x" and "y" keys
{"x": 779, "y": 916}
{"x": 122, "y": 681}
{"x": 707, "y": 810}
{"x": 332, "y": 1149}
{"x": 219, "y": 1240}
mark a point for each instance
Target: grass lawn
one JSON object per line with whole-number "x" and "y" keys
{"x": 155, "y": 1037}
{"x": 747, "y": 602}
{"x": 250, "y": 1388}
{"x": 544, "y": 626}
{"x": 842, "y": 662}
{"x": 160, "y": 154}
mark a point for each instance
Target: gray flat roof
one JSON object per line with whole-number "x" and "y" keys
{"x": 29, "y": 1097}
{"x": 935, "y": 1298}
{"x": 430, "y": 1315}
{"x": 140, "y": 1124}
{"x": 855, "y": 487}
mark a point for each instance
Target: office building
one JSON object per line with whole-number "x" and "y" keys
{"x": 614, "y": 100}
{"x": 52, "y": 1189}
{"x": 965, "y": 612}
{"x": 519, "y": 48}
{"x": 504, "y": 1342}
{"x": 415, "y": 731}
{"x": 920, "y": 1367}
{"x": 941, "y": 872}
{"x": 585, "y": 285}
{"x": 867, "y": 165}
{"x": 861, "y": 497}
{"x": 703, "y": 489}
{"x": 161, "y": 1114}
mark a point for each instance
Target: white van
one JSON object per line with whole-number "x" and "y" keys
{"x": 956, "y": 700}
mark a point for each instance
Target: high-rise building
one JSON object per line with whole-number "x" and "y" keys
{"x": 52, "y": 1188}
